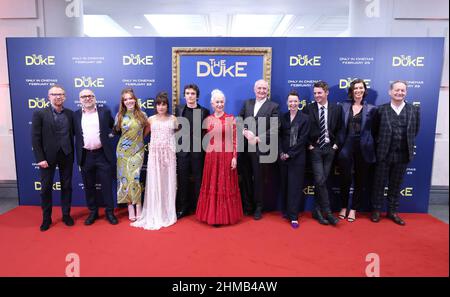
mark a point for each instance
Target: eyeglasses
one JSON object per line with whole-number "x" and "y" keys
{"x": 57, "y": 94}
{"x": 87, "y": 96}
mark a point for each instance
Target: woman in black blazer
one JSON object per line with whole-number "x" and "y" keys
{"x": 293, "y": 137}
{"x": 358, "y": 150}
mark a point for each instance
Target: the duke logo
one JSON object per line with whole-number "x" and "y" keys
{"x": 407, "y": 61}
{"x": 133, "y": 59}
{"x": 146, "y": 103}
{"x": 38, "y": 103}
{"x": 344, "y": 83}
{"x": 304, "y": 60}
{"x": 39, "y": 60}
{"x": 220, "y": 69}
{"x": 89, "y": 82}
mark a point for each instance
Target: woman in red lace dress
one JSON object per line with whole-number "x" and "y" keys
{"x": 220, "y": 202}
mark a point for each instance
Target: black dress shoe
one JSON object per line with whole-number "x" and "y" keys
{"x": 375, "y": 216}
{"x": 45, "y": 224}
{"x": 258, "y": 214}
{"x": 181, "y": 214}
{"x": 91, "y": 218}
{"x": 318, "y": 216}
{"x": 394, "y": 217}
{"x": 111, "y": 218}
{"x": 331, "y": 219}
{"x": 67, "y": 219}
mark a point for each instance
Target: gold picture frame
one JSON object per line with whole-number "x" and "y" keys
{"x": 177, "y": 52}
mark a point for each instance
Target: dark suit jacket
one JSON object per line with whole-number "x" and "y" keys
{"x": 179, "y": 112}
{"x": 294, "y": 136}
{"x": 334, "y": 119}
{"x": 268, "y": 110}
{"x": 43, "y": 134}
{"x": 106, "y": 123}
{"x": 384, "y": 129}
{"x": 367, "y": 130}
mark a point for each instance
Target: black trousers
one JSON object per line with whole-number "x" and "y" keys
{"x": 97, "y": 170}
{"x": 321, "y": 162}
{"x": 393, "y": 172}
{"x": 292, "y": 175}
{"x": 258, "y": 179}
{"x": 188, "y": 165}
{"x": 65, "y": 164}
{"x": 354, "y": 167}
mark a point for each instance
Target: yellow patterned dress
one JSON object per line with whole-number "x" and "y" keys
{"x": 130, "y": 156}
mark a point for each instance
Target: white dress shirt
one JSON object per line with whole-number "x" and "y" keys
{"x": 258, "y": 105}
{"x": 90, "y": 125}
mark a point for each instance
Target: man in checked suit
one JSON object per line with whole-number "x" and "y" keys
{"x": 397, "y": 124}
{"x": 325, "y": 124}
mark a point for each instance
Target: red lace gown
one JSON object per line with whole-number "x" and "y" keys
{"x": 219, "y": 202}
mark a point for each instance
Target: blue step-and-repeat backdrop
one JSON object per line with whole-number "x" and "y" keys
{"x": 107, "y": 65}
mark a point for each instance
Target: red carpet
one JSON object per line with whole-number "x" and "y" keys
{"x": 269, "y": 247}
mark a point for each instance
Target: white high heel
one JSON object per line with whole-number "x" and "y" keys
{"x": 138, "y": 211}
{"x": 131, "y": 213}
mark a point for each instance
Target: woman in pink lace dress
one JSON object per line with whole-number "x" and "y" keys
{"x": 160, "y": 189}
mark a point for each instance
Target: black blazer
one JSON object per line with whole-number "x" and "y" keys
{"x": 179, "y": 112}
{"x": 384, "y": 129}
{"x": 334, "y": 119}
{"x": 367, "y": 142}
{"x": 43, "y": 134}
{"x": 106, "y": 123}
{"x": 268, "y": 110}
{"x": 294, "y": 136}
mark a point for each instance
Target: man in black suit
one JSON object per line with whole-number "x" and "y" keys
{"x": 397, "y": 125}
{"x": 190, "y": 155}
{"x": 261, "y": 123}
{"x": 325, "y": 124}
{"x": 52, "y": 140}
{"x": 92, "y": 126}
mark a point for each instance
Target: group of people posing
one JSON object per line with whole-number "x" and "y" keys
{"x": 193, "y": 155}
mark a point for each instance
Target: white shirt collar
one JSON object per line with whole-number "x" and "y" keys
{"x": 326, "y": 105}
{"x": 398, "y": 109}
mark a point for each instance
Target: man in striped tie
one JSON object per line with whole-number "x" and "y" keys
{"x": 325, "y": 124}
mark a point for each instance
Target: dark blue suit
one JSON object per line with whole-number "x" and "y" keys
{"x": 97, "y": 166}
{"x": 48, "y": 146}
{"x": 293, "y": 140}
{"x": 322, "y": 158}
{"x": 357, "y": 153}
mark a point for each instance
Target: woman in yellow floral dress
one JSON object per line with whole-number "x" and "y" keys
{"x": 131, "y": 124}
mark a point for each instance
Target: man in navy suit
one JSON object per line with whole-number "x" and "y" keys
{"x": 325, "y": 125}
{"x": 397, "y": 126}
{"x": 92, "y": 126}
{"x": 52, "y": 140}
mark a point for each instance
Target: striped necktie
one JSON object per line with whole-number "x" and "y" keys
{"x": 323, "y": 128}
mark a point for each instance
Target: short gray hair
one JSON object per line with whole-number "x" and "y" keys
{"x": 217, "y": 93}
{"x": 397, "y": 82}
